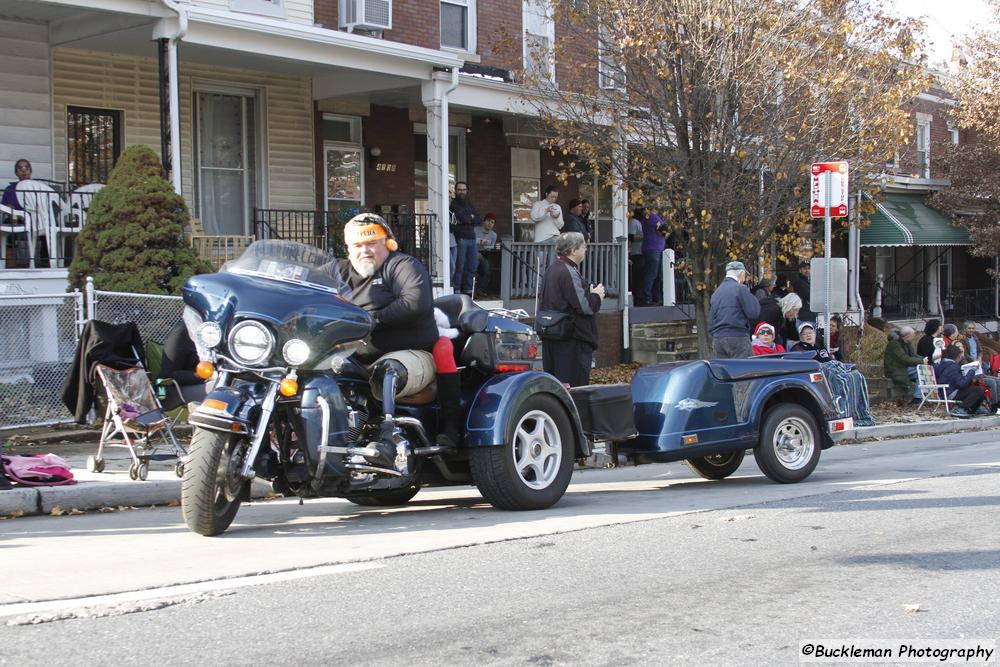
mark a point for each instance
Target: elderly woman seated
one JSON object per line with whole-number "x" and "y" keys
{"x": 763, "y": 340}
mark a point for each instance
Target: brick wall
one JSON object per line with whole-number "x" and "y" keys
{"x": 940, "y": 138}
{"x": 576, "y": 58}
{"x": 488, "y": 168}
{"x": 499, "y": 33}
{"x": 390, "y": 129}
{"x": 325, "y": 13}
{"x": 609, "y": 336}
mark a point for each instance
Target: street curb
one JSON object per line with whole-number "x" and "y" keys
{"x": 85, "y": 496}
{"x": 182, "y": 431}
{"x": 919, "y": 428}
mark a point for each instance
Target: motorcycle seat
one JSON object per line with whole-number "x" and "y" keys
{"x": 462, "y": 313}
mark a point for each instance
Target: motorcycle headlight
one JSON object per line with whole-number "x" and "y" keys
{"x": 209, "y": 334}
{"x": 251, "y": 343}
{"x": 295, "y": 352}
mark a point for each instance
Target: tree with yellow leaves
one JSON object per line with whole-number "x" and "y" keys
{"x": 713, "y": 110}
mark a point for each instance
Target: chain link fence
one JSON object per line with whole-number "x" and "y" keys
{"x": 38, "y": 341}
{"x": 154, "y": 314}
{"x": 37, "y": 345}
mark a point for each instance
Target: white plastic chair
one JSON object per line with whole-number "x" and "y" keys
{"x": 931, "y": 391}
{"x": 12, "y": 221}
{"x": 46, "y": 207}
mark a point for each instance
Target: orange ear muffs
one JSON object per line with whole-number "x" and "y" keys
{"x": 391, "y": 244}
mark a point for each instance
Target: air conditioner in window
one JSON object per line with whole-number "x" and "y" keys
{"x": 365, "y": 14}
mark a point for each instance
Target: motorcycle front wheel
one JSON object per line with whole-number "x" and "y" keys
{"x": 211, "y": 490}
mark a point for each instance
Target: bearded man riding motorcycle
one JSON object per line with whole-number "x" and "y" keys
{"x": 395, "y": 289}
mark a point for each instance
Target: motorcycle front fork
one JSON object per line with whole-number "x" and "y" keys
{"x": 266, "y": 410}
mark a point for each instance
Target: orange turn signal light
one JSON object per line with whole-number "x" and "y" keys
{"x": 289, "y": 387}
{"x": 690, "y": 439}
{"x": 204, "y": 369}
{"x": 214, "y": 404}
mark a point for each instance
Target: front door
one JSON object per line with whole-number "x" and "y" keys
{"x": 344, "y": 177}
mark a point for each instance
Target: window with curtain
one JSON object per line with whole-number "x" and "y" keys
{"x": 456, "y": 25}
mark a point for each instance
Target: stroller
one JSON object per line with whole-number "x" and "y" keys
{"x": 111, "y": 356}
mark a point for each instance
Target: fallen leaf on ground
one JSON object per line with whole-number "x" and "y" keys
{"x": 173, "y": 502}
{"x": 152, "y": 507}
{"x": 76, "y": 512}
{"x": 911, "y": 608}
{"x": 106, "y": 509}
{"x": 125, "y": 508}
{"x": 57, "y": 511}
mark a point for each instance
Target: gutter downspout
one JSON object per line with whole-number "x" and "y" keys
{"x": 443, "y": 204}
{"x": 175, "y": 114}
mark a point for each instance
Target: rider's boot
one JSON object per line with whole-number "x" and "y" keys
{"x": 449, "y": 392}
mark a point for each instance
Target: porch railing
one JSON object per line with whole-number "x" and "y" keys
{"x": 971, "y": 303}
{"x": 899, "y": 297}
{"x": 39, "y": 221}
{"x": 325, "y": 229}
{"x": 522, "y": 264}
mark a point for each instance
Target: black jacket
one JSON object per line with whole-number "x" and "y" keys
{"x": 467, "y": 218}
{"x": 180, "y": 357}
{"x": 821, "y": 353}
{"x": 802, "y": 288}
{"x": 770, "y": 312}
{"x": 564, "y": 290}
{"x": 398, "y": 296}
{"x": 925, "y": 347}
{"x": 574, "y": 223}
{"x": 116, "y": 345}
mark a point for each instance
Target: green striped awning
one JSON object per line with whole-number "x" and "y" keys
{"x": 904, "y": 220}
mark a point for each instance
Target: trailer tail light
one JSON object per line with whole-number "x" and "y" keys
{"x": 690, "y": 439}
{"x": 513, "y": 368}
{"x": 816, "y": 377}
{"x": 842, "y": 425}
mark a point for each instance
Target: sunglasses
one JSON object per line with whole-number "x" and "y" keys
{"x": 765, "y": 332}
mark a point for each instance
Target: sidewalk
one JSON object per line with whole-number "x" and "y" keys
{"x": 113, "y": 488}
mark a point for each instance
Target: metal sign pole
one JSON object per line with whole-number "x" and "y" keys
{"x": 826, "y": 255}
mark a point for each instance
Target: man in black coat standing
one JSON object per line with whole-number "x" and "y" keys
{"x": 466, "y": 220}
{"x": 802, "y": 287}
{"x": 564, "y": 290}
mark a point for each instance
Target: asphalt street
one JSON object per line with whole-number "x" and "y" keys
{"x": 892, "y": 540}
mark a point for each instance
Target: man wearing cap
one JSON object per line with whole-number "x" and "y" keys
{"x": 734, "y": 311}
{"x": 395, "y": 289}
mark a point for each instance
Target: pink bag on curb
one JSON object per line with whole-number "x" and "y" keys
{"x": 38, "y": 470}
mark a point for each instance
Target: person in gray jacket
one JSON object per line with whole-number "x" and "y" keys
{"x": 733, "y": 315}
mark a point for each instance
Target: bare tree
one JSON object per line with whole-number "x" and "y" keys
{"x": 713, "y": 110}
{"x": 973, "y": 197}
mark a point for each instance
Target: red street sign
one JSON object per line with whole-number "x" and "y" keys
{"x": 837, "y": 197}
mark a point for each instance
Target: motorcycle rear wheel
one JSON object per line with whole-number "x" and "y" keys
{"x": 210, "y": 495}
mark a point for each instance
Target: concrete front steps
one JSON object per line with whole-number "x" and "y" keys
{"x": 661, "y": 342}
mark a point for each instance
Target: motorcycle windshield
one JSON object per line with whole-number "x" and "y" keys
{"x": 290, "y": 262}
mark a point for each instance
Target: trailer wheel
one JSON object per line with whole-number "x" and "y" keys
{"x": 789, "y": 445}
{"x": 717, "y": 466}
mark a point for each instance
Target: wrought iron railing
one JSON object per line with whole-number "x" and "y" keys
{"x": 524, "y": 263}
{"x": 971, "y": 303}
{"x": 325, "y": 229}
{"x": 898, "y": 297}
{"x": 39, "y": 221}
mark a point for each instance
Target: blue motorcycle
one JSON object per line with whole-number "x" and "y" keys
{"x": 292, "y": 404}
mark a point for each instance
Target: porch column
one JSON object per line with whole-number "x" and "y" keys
{"x": 619, "y": 219}
{"x": 172, "y": 30}
{"x": 932, "y": 273}
{"x": 434, "y": 94}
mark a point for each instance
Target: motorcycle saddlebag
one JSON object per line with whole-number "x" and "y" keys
{"x": 605, "y": 411}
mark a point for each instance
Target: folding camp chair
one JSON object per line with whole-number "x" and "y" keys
{"x": 931, "y": 391}
{"x": 135, "y": 413}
